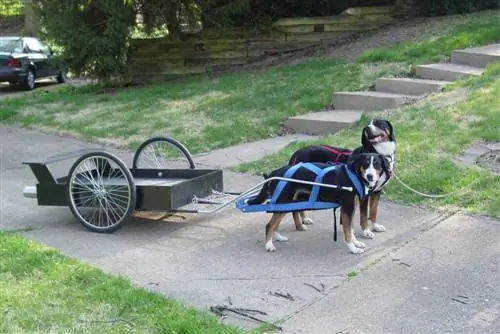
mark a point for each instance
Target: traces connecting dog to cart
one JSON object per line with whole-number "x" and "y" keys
{"x": 165, "y": 184}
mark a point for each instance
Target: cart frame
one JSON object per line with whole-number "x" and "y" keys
{"x": 197, "y": 186}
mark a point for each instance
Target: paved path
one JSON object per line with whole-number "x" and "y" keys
{"x": 407, "y": 276}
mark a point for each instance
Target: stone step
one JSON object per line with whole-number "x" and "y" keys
{"x": 447, "y": 71}
{"x": 477, "y": 57}
{"x": 370, "y": 100}
{"x": 323, "y": 122}
{"x": 408, "y": 86}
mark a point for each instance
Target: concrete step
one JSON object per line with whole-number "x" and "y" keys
{"x": 408, "y": 86}
{"x": 370, "y": 100}
{"x": 447, "y": 71}
{"x": 477, "y": 57}
{"x": 323, "y": 122}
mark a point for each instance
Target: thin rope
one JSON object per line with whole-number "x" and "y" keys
{"x": 442, "y": 195}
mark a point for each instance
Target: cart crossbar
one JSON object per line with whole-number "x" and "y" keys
{"x": 240, "y": 199}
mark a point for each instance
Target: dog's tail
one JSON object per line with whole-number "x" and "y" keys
{"x": 263, "y": 194}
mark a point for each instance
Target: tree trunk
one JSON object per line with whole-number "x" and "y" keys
{"x": 30, "y": 19}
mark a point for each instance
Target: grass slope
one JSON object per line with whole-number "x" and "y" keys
{"x": 430, "y": 134}
{"x": 206, "y": 113}
{"x": 42, "y": 291}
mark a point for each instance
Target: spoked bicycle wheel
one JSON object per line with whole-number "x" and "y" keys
{"x": 101, "y": 191}
{"x": 162, "y": 153}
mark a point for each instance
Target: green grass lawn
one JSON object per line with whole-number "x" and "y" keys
{"x": 206, "y": 113}
{"x": 42, "y": 291}
{"x": 429, "y": 136}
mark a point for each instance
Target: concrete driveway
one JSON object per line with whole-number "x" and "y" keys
{"x": 408, "y": 280}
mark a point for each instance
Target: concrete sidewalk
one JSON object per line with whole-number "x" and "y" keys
{"x": 208, "y": 260}
{"x": 445, "y": 280}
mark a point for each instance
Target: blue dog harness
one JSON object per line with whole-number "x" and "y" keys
{"x": 312, "y": 202}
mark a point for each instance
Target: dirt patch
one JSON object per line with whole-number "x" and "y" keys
{"x": 490, "y": 160}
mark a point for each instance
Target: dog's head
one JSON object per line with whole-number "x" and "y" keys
{"x": 378, "y": 136}
{"x": 370, "y": 167}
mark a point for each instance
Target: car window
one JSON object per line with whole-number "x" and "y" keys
{"x": 11, "y": 45}
{"x": 35, "y": 46}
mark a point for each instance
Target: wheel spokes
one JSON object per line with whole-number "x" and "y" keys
{"x": 100, "y": 193}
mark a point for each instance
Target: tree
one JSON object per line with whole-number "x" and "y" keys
{"x": 93, "y": 34}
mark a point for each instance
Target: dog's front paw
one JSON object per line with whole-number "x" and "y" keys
{"x": 358, "y": 244}
{"x": 354, "y": 249}
{"x": 378, "y": 227}
{"x": 270, "y": 247}
{"x": 368, "y": 234}
{"x": 308, "y": 221}
{"x": 303, "y": 228}
{"x": 280, "y": 238}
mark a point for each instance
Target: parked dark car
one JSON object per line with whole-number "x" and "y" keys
{"x": 23, "y": 60}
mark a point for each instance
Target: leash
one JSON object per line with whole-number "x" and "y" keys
{"x": 438, "y": 196}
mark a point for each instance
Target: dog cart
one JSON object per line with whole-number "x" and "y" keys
{"x": 102, "y": 192}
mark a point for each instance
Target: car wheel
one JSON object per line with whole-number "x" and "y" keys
{"x": 61, "y": 78}
{"x": 29, "y": 80}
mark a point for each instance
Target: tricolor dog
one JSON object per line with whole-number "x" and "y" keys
{"x": 377, "y": 137}
{"x": 362, "y": 171}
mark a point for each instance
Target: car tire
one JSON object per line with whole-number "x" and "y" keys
{"x": 29, "y": 81}
{"x": 61, "y": 78}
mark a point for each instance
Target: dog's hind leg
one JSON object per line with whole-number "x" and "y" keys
{"x": 298, "y": 222}
{"x": 305, "y": 220}
{"x": 271, "y": 229}
{"x": 363, "y": 217}
{"x": 374, "y": 202}
{"x": 346, "y": 214}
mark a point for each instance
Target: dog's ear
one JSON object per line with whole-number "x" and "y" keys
{"x": 265, "y": 176}
{"x": 354, "y": 160}
{"x": 386, "y": 165}
{"x": 364, "y": 141}
{"x": 392, "y": 136}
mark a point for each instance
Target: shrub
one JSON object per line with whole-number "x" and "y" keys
{"x": 92, "y": 34}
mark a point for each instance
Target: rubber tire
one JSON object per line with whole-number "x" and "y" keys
{"x": 169, "y": 140}
{"x": 25, "y": 83}
{"x": 130, "y": 180}
{"x": 60, "y": 78}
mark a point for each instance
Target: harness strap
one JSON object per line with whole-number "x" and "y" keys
{"x": 313, "y": 197}
{"x": 289, "y": 174}
{"x": 358, "y": 186}
{"x": 338, "y": 154}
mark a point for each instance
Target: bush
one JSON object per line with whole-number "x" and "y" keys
{"x": 259, "y": 12}
{"x": 93, "y": 34}
{"x": 450, "y": 7}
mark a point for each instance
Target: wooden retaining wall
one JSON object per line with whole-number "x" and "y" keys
{"x": 157, "y": 60}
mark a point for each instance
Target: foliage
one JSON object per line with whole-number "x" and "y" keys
{"x": 93, "y": 34}
{"x": 11, "y": 7}
{"x": 449, "y": 7}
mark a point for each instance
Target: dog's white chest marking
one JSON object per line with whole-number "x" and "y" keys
{"x": 387, "y": 149}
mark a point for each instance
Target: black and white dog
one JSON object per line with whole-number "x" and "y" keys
{"x": 362, "y": 171}
{"x": 377, "y": 137}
